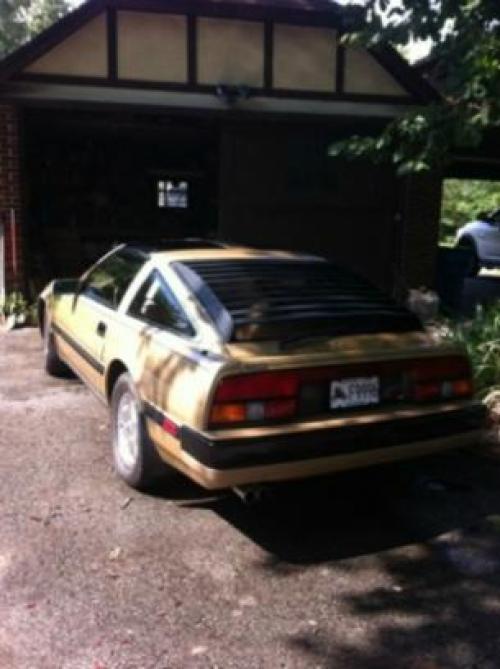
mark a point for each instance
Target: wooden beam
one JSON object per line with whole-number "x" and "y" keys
{"x": 340, "y": 67}
{"x": 192, "y": 47}
{"x": 268, "y": 54}
{"x": 112, "y": 43}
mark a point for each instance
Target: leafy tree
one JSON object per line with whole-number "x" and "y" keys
{"x": 42, "y": 13}
{"x": 22, "y": 19}
{"x": 463, "y": 201}
{"x": 12, "y": 26}
{"x": 465, "y": 36}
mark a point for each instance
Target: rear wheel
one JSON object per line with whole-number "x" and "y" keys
{"x": 52, "y": 362}
{"x": 475, "y": 265}
{"x": 134, "y": 455}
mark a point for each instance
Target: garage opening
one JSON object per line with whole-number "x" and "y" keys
{"x": 464, "y": 201}
{"x": 98, "y": 179}
{"x": 469, "y": 255}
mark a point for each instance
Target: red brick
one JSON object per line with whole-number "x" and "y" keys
{"x": 10, "y": 194}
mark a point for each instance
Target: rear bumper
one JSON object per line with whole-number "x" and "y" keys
{"x": 223, "y": 462}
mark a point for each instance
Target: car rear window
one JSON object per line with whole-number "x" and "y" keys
{"x": 254, "y": 299}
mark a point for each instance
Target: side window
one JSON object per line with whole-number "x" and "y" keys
{"x": 156, "y": 304}
{"x": 109, "y": 281}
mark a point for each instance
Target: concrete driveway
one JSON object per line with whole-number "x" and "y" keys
{"x": 392, "y": 568}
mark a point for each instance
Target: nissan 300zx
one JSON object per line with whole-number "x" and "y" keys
{"x": 237, "y": 366}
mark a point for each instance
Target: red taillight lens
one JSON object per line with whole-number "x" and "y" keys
{"x": 441, "y": 369}
{"x": 252, "y": 398}
{"x": 424, "y": 392}
{"x": 275, "y": 409}
{"x": 258, "y": 386}
{"x": 442, "y": 378}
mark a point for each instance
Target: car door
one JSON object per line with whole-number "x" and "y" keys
{"x": 85, "y": 324}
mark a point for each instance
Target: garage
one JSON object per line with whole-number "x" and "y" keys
{"x": 152, "y": 121}
{"x": 98, "y": 179}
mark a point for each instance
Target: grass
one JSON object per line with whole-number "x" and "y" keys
{"x": 481, "y": 337}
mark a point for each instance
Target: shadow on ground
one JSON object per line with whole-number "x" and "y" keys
{"x": 360, "y": 512}
{"x": 431, "y": 527}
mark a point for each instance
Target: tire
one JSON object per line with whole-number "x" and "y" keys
{"x": 475, "y": 265}
{"x": 53, "y": 364}
{"x": 135, "y": 457}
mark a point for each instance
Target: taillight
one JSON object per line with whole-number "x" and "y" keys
{"x": 258, "y": 386}
{"x": 252, "y": 398}
{"x": 249, "y": 399}
{"x": 448, "y": 367}
{"x": 445, "y": 390}
{"x": 441, "y": 379}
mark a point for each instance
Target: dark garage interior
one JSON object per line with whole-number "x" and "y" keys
{"x": 96, "y": 179}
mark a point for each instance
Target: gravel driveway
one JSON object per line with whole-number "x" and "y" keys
{"x": 391, "y": 568}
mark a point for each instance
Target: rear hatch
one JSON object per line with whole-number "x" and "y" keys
{"x": 308, "y": 339}
{"x": 285, "y": 300}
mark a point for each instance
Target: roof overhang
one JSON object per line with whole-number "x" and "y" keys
{"x": 21, "y": 82}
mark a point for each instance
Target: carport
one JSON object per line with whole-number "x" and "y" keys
{"x": 156, "y": 119}
{"x": 460, "y": 293}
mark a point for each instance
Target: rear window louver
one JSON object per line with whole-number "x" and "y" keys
{"x": 257, "y": 299}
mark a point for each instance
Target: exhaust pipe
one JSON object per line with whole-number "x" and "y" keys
{"x": 252, "y": 494}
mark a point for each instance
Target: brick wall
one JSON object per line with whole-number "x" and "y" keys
{"x": 10, "y": 196}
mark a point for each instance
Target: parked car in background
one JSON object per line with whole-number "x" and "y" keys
{"x": 239, "y": 366}
{"x": 482, "y": 238}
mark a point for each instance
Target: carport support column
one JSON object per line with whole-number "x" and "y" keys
{"x": 12, "y": 273}
{"x": 419, "y": 232}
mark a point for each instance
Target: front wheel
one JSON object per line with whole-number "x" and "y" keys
{"x": 134, "y": 455}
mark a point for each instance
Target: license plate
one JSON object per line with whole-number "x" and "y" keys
{"x": 357, "y": 392}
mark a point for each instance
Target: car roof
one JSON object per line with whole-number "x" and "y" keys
{"x": 227, "y": 253}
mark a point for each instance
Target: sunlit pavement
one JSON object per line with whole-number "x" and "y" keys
{"x": 387, "y": 568}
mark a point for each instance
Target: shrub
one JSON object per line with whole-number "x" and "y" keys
{"x": 16, "y": 307}
{"x": 481, "y": 337}
{"x": 14, "y": 304}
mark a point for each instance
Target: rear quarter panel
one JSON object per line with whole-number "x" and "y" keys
{"x": 168, "y": 371}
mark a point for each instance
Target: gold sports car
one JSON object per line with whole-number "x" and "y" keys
{"x": 239, "y": 366}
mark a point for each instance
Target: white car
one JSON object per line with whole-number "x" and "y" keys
{"x": 482, "y": 237}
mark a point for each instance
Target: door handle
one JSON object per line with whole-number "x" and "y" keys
{"x": 101, "y": 329}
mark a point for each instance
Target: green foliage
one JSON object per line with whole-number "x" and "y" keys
{"x": 462, "y": 201}
{"x": 43, "y": 13}
{"x": 12, "y": 27}
{"x": 15, "y": 307}
{"x": 481, "y": 337}
{"x": 14, "y": 304}
{"x": 466, "y": 51}
{"x": 22, "y": 19}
